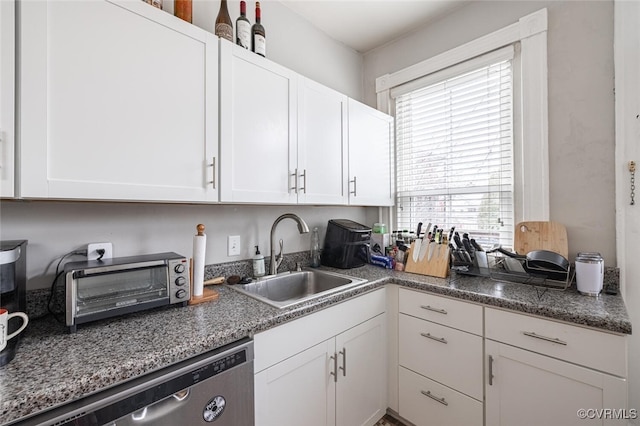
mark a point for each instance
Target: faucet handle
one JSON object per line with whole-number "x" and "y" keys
{"x": 298, "y": 267}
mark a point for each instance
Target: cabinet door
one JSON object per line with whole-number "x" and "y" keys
{"x": 118, "y": 101}
{"x": 370, "y": 156}
{"x": 322, "y": 144}
{"x": 257, "y": 128}
{"x": 361, "y": 386}
{"x": 299, "y": 390}
{"x": 7, "y": 97}
{"x": 525, "y": 388}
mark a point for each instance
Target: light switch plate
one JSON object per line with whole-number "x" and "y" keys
{"x": 233, "y": 246}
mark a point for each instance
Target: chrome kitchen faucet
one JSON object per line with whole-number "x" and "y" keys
{"x": 302, "y": 227}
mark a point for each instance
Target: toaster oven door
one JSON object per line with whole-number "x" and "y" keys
{"x": 106, "y": 294}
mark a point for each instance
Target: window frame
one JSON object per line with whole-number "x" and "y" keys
{"x": 531, "y": 178}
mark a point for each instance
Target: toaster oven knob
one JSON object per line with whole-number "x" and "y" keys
{"x": 181, "y": 281}
{"x": 179, "y": 268}
{"x": 180, "y": 294}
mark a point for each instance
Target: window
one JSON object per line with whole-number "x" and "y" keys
{"x": 449, "y": 186}
{"x": 454, "y": 149}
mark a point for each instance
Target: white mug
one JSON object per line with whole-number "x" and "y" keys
{"x": 4, "y": 326}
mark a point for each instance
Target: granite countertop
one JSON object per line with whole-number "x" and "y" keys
{"x": 53, "y": 367}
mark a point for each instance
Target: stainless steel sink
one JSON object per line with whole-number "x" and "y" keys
{"x": 290, "y": 288}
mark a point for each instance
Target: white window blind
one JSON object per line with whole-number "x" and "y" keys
{"x": 454, "y": 138}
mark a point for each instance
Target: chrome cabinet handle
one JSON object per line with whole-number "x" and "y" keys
{"x": 429, "y": 308}
{"x": 355, "y": 188}
{"x": 490, "y": 370}
{"x": 295, "y": 185}
{"x": 213, "y": 174}
{"x": 437, "y": 339}
{"x": 304, "y": 179}
{"x": 545, "y": 338}
{"x": 343, "y": 352}
{"x": 334, "y": 373}
{"x": 435, "y": 398}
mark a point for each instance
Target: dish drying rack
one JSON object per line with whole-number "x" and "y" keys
{"x": 497, "y": 267}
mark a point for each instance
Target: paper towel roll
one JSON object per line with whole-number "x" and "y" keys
{"x": 199, "y": 248}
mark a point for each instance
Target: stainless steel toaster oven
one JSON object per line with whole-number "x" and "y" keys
{"x": 99, "y": 289}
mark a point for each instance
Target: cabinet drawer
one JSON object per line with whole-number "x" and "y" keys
{"x": 449, "y": 356}
{"x": 281, "y": 342}
{"x": 453, "y": 313}
{"x": 595, "y": 349}
{"x": 425, "y": 402}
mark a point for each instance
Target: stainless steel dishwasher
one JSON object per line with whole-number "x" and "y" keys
{"x": 215, "y": 388}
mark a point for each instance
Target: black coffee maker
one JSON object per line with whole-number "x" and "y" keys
{"x": 346, "y": 244}
{"x": 13, "y": 289}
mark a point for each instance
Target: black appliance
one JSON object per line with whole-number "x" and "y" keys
{"x": 13, "y": 289}
{"x": 346, "y": 244}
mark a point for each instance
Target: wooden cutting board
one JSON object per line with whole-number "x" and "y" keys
{"x": 552, "y": 236}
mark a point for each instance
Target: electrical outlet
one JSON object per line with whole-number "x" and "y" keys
{"x": 92, "y": 251}
{"x": 233, "y": 246}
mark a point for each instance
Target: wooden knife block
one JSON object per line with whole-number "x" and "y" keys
{"x": 436, "y": 266}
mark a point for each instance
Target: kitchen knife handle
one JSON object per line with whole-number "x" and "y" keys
{"x": 295, "y": 184}
{"x": 343, "y": 352}
{"x": 334, "y": 373}
{"x": 490, "y": 370}
{"x": 355, "y": 188}
{"x": 304, "y": 179}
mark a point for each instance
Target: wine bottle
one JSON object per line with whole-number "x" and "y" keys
{"x": 224, "y": 27}
{"x": 243, "y": 28}
{"x": 258, "y": 39}
{"x": 182, "y": 9}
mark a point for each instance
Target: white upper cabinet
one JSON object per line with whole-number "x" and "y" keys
{"x": 7, "y": 97}
{"x": 119, "y": 101}
{"x": 370, "y": 156}
{"x": 257, "y": 128}
{"x": 322, "y": 144}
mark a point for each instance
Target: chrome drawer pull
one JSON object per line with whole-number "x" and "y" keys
{"x": 490, "y": 370}
{"x": 429, "y": 308}
{"x": 343, "y": 352}
{"x": 435, "y": 398}
{"x": 213, "y": 166}
{"x": 437, "y": 339}
{"x": 548, "y": 339}
{"x": 295, "y": 184}
{"x": 334, "y": 373}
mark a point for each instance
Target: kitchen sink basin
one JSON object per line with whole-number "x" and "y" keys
{"x": 290, "y": 288}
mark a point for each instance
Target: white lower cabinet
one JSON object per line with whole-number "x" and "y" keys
{"x": 556, "y": 372}
{"x": 440, "y": 374}
{"x": 339, "y": 381}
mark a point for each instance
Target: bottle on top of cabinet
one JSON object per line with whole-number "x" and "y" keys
{"x": 224, "y": 27}
{"x": 258, "y": 39}
{"x": 243, "y": 28}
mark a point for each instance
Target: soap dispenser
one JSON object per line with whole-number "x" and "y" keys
{"x": 258, "y": 264}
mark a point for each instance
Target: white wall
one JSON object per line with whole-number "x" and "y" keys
{"x": 293, "y": 42}
{"x": 581, "y": 112}
{"x": 627, "y": 51}
{"x": 55, "y": 228}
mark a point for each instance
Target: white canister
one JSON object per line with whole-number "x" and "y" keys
{"x": 589, "y": 273}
